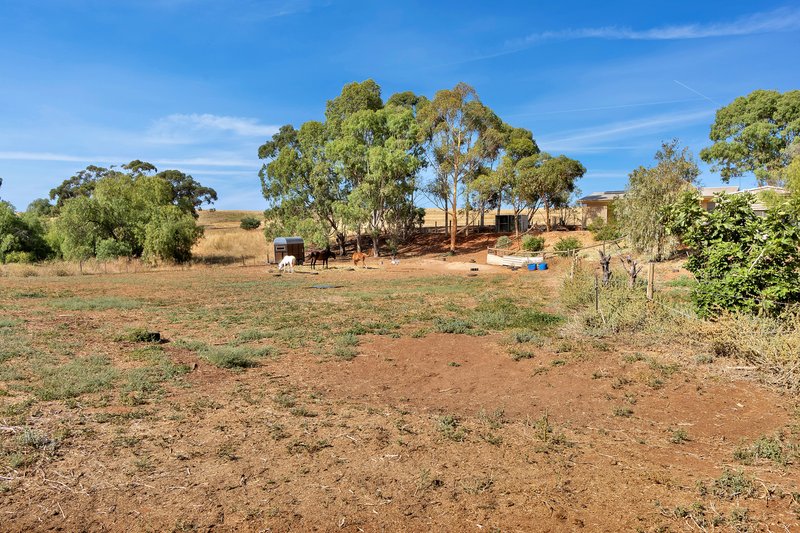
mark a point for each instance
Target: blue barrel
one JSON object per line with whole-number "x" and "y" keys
{"x": 542, "y": 266}
{"x": 531, "y": 266}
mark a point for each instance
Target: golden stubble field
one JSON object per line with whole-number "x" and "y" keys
{"x": 402, "y": 397}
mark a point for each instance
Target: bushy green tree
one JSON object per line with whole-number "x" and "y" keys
{"x": 551, "y": 181}
{"x": 170, "y": 235}
{"x": 122, "y": 214}
{"x": 21, "y": 237}
{"x": 753, "y": 133}
{"x": 532, "y": 244}
{"x": 742, "y": 262}
{"x": 650, "y": 191}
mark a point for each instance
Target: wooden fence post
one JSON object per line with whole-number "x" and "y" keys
{"x": 596, "y": 294}
{"x": 651, "y": 277}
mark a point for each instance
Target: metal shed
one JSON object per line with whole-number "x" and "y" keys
{"x": 284, "y": 246}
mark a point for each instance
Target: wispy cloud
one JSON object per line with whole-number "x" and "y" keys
{"x": 779, "y": 20}
{"x": 186, "y": 128}
{"x": 226, "y": 161}
{"x": 591, "y": 139}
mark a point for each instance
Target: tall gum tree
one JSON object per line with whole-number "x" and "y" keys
{"x": 452, "y": 123}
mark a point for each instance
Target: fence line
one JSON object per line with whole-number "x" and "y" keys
{"x": 545, "y": 253}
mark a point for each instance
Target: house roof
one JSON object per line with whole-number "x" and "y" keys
{"x": 605, "y": 196}
{"x": 765, "y": 188}
{"x": 705, "y": 192}
{"x": 711, "y": 191}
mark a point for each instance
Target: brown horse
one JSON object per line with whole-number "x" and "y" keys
{"x": 360, "y": 256}
{"x": 320, "y": 255}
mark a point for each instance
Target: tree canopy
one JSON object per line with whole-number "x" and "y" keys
{"x": 650, "y": 191}
{"x": 742, "y": 261}
{"x": 753, "y": 134}
{"x": 131, "y": 211}
{"x": 355, "y": 171}
{"x": 185, "y": 192}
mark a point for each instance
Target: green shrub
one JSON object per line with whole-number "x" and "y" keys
{"x": 567, "y": 244}
{"x": 532, "y": 244}
{"x": 742, "y": 261}
{"x": 604, "y": 232}
{"x": 249, "y": 223}
{"x": 19, "y": 257}
{"x": 111, "y": 249}
{"x": 170, "y": 235}
{"x": 503, "y": 242}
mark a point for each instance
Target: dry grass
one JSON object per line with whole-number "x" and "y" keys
{"x": 770, "y": 344}
{"x": 225, "y": 241}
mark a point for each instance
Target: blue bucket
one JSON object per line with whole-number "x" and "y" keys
{"x": 542, "y": 266}
{"x": 531, "y": 266}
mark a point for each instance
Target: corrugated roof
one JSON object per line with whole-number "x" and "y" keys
{"x": 288, "y": 240}
{"x": 605, "y": 196}
{"x": 765, "y": 188}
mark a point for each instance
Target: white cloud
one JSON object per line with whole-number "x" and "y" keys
{"x": 224, "y": 161}
{"x": 784, "y": 19}
{"x": 182, "y": 128}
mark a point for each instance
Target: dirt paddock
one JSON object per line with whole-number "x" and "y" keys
{"x": 400, "y": 399}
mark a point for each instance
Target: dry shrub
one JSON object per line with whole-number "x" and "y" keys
{"x": 621, "y": 309}
{"x": 771, "y": 344}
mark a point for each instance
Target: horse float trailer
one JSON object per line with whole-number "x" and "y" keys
{"x": 284, "y": 246}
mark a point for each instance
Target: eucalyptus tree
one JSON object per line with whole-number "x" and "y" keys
{"x": 298, "y": 181}
{"x": 377, "y": 152}
{"x": 753, "y": 134}
{"x": 549, "y": 180}
{"x": 453, "y": 123}
{"x": 510, "y": 181}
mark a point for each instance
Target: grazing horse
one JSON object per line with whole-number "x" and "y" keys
{"x": 320, "y": 255}
{"x": 360, "y": 256}
{"x": 287, "y": 261}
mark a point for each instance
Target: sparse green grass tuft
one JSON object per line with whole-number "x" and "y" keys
{"x": 235, "y": 357}
{"x": 450, "y": 427}
{"x": 98, "y": 303}
{"x": 770, "y": 448}
{"x": 139, "y": 335}
{"x": 733, "y": 484}
{"x": 79, "y": 376}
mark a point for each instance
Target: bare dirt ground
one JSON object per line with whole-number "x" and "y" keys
{"x": 362, "y": 407}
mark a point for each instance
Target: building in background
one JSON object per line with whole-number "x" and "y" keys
{"x": 600, "y": 205}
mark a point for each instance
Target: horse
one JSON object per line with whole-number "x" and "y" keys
{"x": 320, "y": 255}
{"x": 360, "y": 256}
{"x": 287, "y": 261}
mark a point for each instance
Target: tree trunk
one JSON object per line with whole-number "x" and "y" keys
{"x": 547, "y": 215}
{"x": 358, "y": 239}
{"x": 446, "y": 216}
{"x": 376, "y": 241}
{"x": 340, "y": 239}
{"x": 454, "y": 215}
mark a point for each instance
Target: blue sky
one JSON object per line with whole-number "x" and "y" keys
{"x": 198, "y": 85}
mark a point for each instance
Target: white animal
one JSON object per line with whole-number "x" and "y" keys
{"x": 287, "y": 261}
